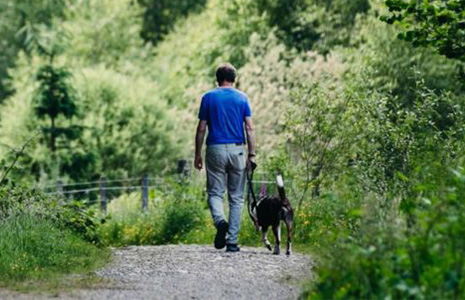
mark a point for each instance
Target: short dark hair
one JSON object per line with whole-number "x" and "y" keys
{"x": 225, "y": 72}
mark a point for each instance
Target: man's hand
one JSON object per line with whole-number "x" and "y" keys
{"x": 199, "y": 136}
{"x": 198, "y": 162}
{"x": 249, "y": 130}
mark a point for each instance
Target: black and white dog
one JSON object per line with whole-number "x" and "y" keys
{"x": 269, "y": 211}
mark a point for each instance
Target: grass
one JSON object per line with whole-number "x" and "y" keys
{"x": 170, "y": 218}
{"x": 38, "y": 250}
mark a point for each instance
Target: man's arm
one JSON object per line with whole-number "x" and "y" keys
{"x": 199, "y": 137}
{"x": 249, "y": 130}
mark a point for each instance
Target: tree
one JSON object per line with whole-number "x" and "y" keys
{"x": 20, "y": 22}
{"x": 439, "y": 24}
{"x": 301, "y": 24}
{"x": 161, "y": 15}
{"x": 54, "y": 98}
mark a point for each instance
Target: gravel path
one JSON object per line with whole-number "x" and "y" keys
{"x": 197, "y": 272}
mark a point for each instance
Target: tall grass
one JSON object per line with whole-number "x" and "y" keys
{"x": 36, "y": 248}
{"x": 171, "y": 217}
{"x": 43, "y": 238}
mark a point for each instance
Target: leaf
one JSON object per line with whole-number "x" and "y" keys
{"x": 402, "y": 177}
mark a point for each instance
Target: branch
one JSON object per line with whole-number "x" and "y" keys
{"x": 18, "y": 154}
{"x": 9, "y": 147}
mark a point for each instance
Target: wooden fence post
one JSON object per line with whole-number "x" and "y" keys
{"x": 145, "y": 193}
{"x": 183, "y": 171}
{"x": 60, "y": 188}
{"x": 103, "y": 195}
{"x": 182, "y": 163}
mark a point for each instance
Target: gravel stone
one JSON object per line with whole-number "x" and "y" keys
{"x": 195, "y": 272}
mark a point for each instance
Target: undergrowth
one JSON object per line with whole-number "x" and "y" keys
{"x": 43, "y": 238}
{"x": 35, "y": 248}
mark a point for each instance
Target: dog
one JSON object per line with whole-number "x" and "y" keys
{"x": 270, "y": 211}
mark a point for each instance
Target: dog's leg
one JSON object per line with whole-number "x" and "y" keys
{"x": 265, "y": 241}
{"x": 289, "y": 225}
{"x": 277, "y": 235}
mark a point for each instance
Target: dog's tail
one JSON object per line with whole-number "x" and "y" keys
{"x": 280, "y": 184}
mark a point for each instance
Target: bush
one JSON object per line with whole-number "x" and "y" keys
{"x": 42, "y": 237}
{"x": 171, "y": 218}
{"x": 417, "y": 257}
{"x": 32, "y": 247}
{"x": 74, "y": 216}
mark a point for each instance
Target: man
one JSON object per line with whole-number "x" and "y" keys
{"x": 226, "y": 112}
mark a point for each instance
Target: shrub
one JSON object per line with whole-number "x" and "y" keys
{"x": 43, "y": 237}
{"x": 34, "y": 247}
{"x": 172, "y": 217}
{"x": 74, "y": 216}
{"x": 418, "y": 257}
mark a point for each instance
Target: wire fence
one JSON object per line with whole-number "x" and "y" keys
{"x": 80, "y": 187}
{"x": 106, "y": 190}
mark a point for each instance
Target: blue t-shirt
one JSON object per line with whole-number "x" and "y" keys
{"x": 225, "y": 109}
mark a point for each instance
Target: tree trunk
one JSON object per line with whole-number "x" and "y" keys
{"x": 52, "y": 136}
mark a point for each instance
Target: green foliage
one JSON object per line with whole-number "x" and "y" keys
{"x": 161, "y": 16}
{"x": 300, "y": 24}
{"x": 18, "y": 201}
{"x": 55, "y": 98}
{"x": 321, "y": 132}
{"x": 106, "y": 32}
{"x": 364, "y": 127}
{"x": 127, "y": 137}
{"x": 32, "y": 247}
{"x": 42, "y": 237}
{"x": 184, "y": 211}
{"x": 369, "y": 208}
{"x": 417, "y": 261}
{"x": 397, "y": 66}
{"x": 402, "y": 138}
{"x": 270, "y": 76}
{"x": 439, "y": 24}
{"x": 20, "y": 23}
{"x": 400, "y": 198}
{"x": 124, "y": 126}
{"x": 175, "y": 216}
{"x": 81, "y": 219}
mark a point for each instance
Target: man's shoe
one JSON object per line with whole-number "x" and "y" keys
{"x": 220, "y": 238}
{"x": 232, "y": 248}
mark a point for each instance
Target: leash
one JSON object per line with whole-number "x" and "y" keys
{"x": 252, "y": 205}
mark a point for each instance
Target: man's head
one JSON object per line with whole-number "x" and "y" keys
{"x": 226, "y": 73}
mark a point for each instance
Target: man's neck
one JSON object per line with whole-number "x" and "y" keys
{"x": 227, "y": 84}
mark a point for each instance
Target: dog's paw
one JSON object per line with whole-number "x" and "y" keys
{"x": 276, "y": 251}
{"x": 288, "y": 253}
{"x": 268, "y": 247}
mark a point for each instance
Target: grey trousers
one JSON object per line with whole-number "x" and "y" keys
{"x": 226, "y": 169}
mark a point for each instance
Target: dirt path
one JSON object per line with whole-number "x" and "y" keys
{"x": 196, "y": 272}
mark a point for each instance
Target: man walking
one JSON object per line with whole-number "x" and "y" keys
{"x": 226, "y": 112}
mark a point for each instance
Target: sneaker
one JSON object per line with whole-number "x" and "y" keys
{"x": 220, "y": 238}
{"x": 232, "y": 248}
